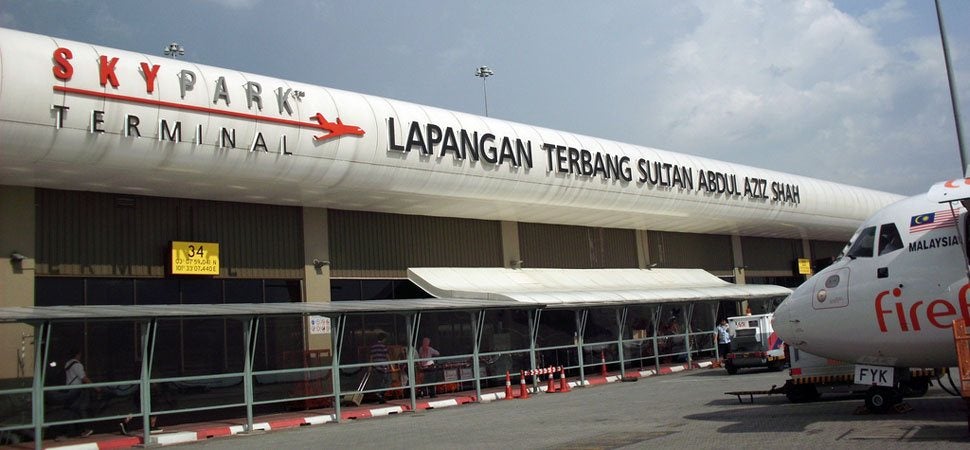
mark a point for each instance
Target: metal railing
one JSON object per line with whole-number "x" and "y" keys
{"x": 325, "y": 382}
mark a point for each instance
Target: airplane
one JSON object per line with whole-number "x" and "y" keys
{"x": 889, "y": 301}
{"x": 336, "y": 129}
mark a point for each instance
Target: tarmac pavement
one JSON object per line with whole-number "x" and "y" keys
{"x": 685, "y": 409}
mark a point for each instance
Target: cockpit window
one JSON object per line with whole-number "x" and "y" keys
{"x": 864, "y": 244}
{"x": 889, "y": 240}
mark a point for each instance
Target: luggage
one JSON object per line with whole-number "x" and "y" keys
{"x": 358, "y": 397}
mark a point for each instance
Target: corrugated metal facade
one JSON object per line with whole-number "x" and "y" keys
{"x": 710, "y": 252}
{"x": 770, "y": 254}
{"x": 96, "y": 234}
{"x": 826, "y": 249}
{"x": 575, "y": 247}
{"x": 380, "y": 245}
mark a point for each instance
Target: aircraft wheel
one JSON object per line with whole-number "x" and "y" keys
{"x": 881, "y": 399}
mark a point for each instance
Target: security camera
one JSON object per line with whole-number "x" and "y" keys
{"x": 17, "y": 257}
{"x": 319, "y": 264}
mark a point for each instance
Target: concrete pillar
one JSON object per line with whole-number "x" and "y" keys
{"x": 17, "y": 239}
{"x": 643, "y": 249}
{"x": 316, "y": 265}
{"x": 510, "y": 246}
{"x": 738, "y": 259}
{"x": 738, "y": 265}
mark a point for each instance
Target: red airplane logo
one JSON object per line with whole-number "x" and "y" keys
{"x": 336, "y": 129}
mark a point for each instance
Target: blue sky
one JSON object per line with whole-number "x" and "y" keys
{"x": 852, "y": 91}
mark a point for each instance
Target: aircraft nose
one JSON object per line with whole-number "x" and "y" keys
{"x": 785, "y": 319}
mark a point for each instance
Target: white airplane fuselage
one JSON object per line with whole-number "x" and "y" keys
{"x": 892, "y": 299}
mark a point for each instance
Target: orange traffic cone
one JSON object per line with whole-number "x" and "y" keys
{"x": 508, "y": 386}
{"x": 552, "y": 382}
{"x": 602, "y": 363}
{"x": 523, "y": 389}
{"x": 563, "y": 384}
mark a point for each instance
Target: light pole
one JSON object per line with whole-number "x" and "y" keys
{"x": 174, "y": 50}
{"x": 483, "y": 73}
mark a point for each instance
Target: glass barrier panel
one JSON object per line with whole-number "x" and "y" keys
{"x": 15, "y": 409}
{"x": 555, "y": 357}
{"x": 281, "y": 386}
{"x": 365, "y": 330}
{"x": 445, "y": 333}
{"x": 556, "y": 327}
{"x": 203, "y": 393}
{"x": 279, "y": 344}
{"x": 601, "y": 325}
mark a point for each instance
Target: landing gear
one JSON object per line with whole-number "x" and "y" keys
{"x": 880, "y": 399}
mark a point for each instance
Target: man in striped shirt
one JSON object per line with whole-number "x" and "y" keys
{"x": 379, "y": 358}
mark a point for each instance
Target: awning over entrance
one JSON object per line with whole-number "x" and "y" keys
{"x": 585, "y": 287}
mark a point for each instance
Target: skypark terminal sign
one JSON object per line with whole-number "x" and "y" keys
{"x": 119, "y": 94}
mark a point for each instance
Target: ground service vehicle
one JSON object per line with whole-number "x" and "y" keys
{"x": 753, "y": 344}
{"x": 812, "y": 376}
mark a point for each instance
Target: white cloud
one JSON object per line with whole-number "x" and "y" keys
{"x": 7, "y": 19}
{"x": 800, "y": 87}
{"x": 236, "y": 4}
{"x": 890, "y": 12}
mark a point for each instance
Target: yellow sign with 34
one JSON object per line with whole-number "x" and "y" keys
{"x": 195, "y": 258}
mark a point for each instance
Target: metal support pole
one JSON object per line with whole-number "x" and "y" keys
{"x": 717, "y": 336}
{"x": 144, "y": 382}
{"x": 621, "y": 315}
{"x": 413, "y": 324}
{"x": 42, "y": 339}
{"x": 687, "y": 333}
{"x": 581, "y": 316}
{"x": 251, "y": 329}
{"x": 478, "y": 321}
{"x": 534, "y": 317}
{"x": 336, "y": 343}
{"x": 954, "y": 100}
{"x": 656, "y": 348}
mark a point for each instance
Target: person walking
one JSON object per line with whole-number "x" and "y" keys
{"x": 78, "y": 400}
{"x": 723, "y": 339}
{"x": 379, "y": 359}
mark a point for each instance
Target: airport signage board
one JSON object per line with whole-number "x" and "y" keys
{"x": 270, "y": 115}
{"x": 129, "y": 122}
{"x": 804, "y": 266}
{"x": 195, "y": 258}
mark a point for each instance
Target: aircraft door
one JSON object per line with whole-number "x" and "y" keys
{"x": 833, "y": 291}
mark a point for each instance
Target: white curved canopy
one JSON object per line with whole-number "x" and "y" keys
{"x": 585, "y": 287}
{"x": 82, "y": 117}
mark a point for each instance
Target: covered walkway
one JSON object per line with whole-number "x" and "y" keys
{"x": 488, "y": 322}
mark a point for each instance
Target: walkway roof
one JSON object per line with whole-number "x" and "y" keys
{"x": 119, "y": 312}
{"x": 566, "y": 288}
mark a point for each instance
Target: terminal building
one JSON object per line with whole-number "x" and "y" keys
{"x": 133, "y": 179}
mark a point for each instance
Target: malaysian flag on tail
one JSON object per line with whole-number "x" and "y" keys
{"x": 931, "y": 221}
